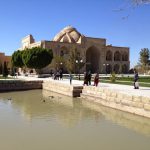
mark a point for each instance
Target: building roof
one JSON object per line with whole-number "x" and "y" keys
{"x": 69, "y": 34}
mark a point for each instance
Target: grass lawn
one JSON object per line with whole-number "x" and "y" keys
{"x": 1, "y": 77}
{"x": 145, "y": 81}
{"x": 125, "y": 83}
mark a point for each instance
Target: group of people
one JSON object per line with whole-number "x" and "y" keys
{"x": 57, "y": 75}
{"x": 88, "y": 77}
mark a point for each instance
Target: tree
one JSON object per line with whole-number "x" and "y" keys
{"x": 144, "y": 57}
{"x": 17, "y": 59}
{"x": 58, "y": 62}
{"x": 1, "y": 68}
{"x": 140, "y": 2}
{"x": 37, "y": 57}
{"x": 131, "y": 4}
{"x": 71, "y": 64}
{"x": 5, "y": 70}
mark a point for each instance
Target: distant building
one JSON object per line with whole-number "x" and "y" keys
{"x": 6, "y": 59}
{"x": 97, "y": 56}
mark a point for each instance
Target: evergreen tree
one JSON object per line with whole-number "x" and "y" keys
{"x": 144, "y": 56}
{"x": 5, "y": 70}
{"x": 1, "y": 68}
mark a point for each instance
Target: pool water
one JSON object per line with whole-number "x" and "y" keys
{"x": 42, "y": 120}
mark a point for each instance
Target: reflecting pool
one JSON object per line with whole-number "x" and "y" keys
{"x": 42, "y": 120}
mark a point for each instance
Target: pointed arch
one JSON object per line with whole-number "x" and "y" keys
{"x": 92, "y": 59}
{"x": 125, "y": 56}
{"x": 116, "y": 68}
{"x": 108, "y": 55}
{"x": 117, "y": 56}
{"x": 124, "y": 68}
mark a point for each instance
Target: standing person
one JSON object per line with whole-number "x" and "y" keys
{"x": 96, "y": 79}
{"x": 89, "y": 77}
{"x": 85, "y": 78}
{"x": 136, "y": 77}
{"x": 57, "y": 75}
{"x": 51, "y": 73}
{"x": 70, "y": 78}
{"x": 61, "y": 74}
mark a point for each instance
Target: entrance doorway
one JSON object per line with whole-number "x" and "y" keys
{"x": 92, "y": 59}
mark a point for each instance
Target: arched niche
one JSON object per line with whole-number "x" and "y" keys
{"x": 92, "y": 59}
{"x": 124, "y": 68}
{"x": 109, "y": 56}
{"x": 108, "y": 69}
{"x": 64, "y": 52}
{"x": 117, "y": 56}
{"x": 125, "y": 56}
{"x": 116, "y": 68}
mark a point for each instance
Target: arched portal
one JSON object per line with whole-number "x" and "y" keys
{"x": 116, "y": 68}
{"x": 92, "y": 59}
{"x": 108, "y": 69}
{"x": 124, "y": 68}
{"x": 124, "y": 56}
{"x": 64, "y": 52}
{"x": 117, "y": 56}
{"x": 109, "y": 56}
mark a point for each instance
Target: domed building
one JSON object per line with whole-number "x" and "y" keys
{"x": 94, "y": 53}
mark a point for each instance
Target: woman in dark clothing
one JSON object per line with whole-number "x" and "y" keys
{"x": 85, "y": 79}
{"x": 96, "y": 80}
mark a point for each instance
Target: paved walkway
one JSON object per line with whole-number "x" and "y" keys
{"x": 143, "y": 91}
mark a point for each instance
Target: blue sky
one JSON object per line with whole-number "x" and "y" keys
{"x": 96, "y": 18}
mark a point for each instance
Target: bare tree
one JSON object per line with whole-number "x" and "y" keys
{"x": 140, "y": 2}
{"x": 130, "y": 5}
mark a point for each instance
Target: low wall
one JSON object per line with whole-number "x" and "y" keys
{"x": 65, "y": 89}
{"x": 134, "y": 104}
{"x": 17, "y": 85}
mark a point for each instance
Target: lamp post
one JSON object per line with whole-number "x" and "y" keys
{"x": 78, "y": 62}
{"x": 105, "y": 68}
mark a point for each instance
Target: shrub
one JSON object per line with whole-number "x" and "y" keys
{"x": 5, "y": 70}
{"x": 113, "y": 77}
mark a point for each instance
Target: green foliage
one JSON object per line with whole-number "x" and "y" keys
{"x": 58, "y": 62}
{"x": 37, "y": 57}
{"x": 5, "y": 70}
{"x": 17, "y": 59}
{"x": 144, "y": 56}
{"x": 113, "y": 77}
{"x": 71, "y": 64}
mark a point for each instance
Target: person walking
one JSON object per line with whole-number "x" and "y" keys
{"x": 136, "y": 77}
{"x": 61, "y": 74}
{"x": 70, "y": 78}
{"x": 85, "y": 78}
{"x": 89, "y": 76}
{"x": 96, "y": 79}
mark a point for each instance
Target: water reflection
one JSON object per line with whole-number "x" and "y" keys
{"x": 130, "y": 121}
{"x": 69, "y": 112}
